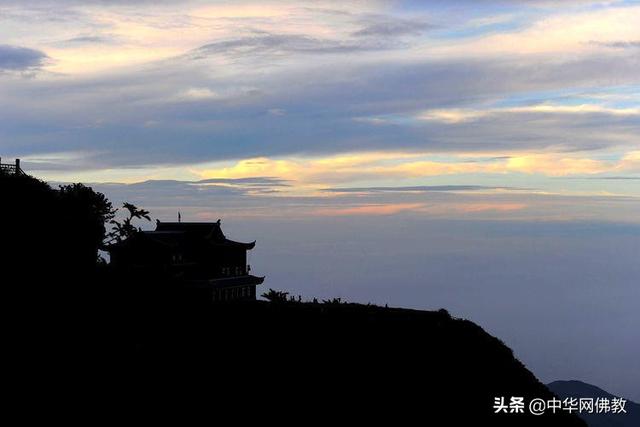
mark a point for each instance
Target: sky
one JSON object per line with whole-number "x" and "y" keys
{"x": 482, "y": 156}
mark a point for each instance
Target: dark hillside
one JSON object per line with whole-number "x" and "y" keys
{"x": 83, "y": 333}
{"x": 339, "y": 361}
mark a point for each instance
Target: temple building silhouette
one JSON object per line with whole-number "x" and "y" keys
{"x": 195, "y": 254}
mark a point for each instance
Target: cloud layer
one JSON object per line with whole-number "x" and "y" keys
{"x": 365, "y": 93}
{"x": 15, "y": 58}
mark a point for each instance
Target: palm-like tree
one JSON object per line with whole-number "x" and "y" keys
{"x": 125, "y": 229}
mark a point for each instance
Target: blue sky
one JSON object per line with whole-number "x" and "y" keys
{"x": 493, "y": 114}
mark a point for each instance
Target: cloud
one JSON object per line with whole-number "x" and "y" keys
{"x": 190, "y": 193}
{"x": 459, "y": 115}
{"x": 415, "y": 189}
{"x": 198, "y": 93}
{"x": 238, "y": 126}
{"x": 484, "y": 207}
{"x": 435, "y": 209}
{"x": 369, "y": 210}
{"x": 264, "y": 43}
{"x": 73, "y": 3}
{"x": 15, "y": 58}
{"x": 388, "y": 27}
{"x": 606, "y": 178}
{"x": 565, "y": 31}
{"x": 252, "y": 181}
{"x": 308, "y": 171}
{"x": 277, "y": 83}
{"x": 90, "y": 39}
{"x": 314, "y": 173}
{"x": 556, "y": 165}
{"x": 619, "y": 44}
{"x": 630, "y": 162}
{"x": 257, "y": 197}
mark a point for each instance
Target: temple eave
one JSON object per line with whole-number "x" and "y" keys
{"x": 247, "y": 246}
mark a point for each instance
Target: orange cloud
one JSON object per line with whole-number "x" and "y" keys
{"x": 630, "y": 162}
{"x": 462, "y": 115}
{"x": 434, "y": 209}
{"x": 317, "y": 172}
{"x": 556, "y": 165}
{"x": 378, "y": 209}
{"x": 484, "y": 207}
{"x": 448, "y": 209}
{"x": 313, "y": 171}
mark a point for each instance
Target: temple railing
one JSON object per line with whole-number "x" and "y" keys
{"x": 11, "y": 169}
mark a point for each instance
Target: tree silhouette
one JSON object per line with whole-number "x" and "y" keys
{"x": 125, "y": 229}
{"x": 87, "y": 213}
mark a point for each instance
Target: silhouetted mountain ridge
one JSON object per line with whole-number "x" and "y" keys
{"x": 579, "y": 389}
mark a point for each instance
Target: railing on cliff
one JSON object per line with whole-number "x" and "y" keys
{"x": 11, "y": 168}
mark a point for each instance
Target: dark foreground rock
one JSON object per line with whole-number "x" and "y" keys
{"x": 332, "y": 362}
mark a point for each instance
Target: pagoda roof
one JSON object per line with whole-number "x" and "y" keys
{"x": 205, "y": 229}
{"x": 176, "y": 234}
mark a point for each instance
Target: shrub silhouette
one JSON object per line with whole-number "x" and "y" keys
{"x": 275, "y": 296}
